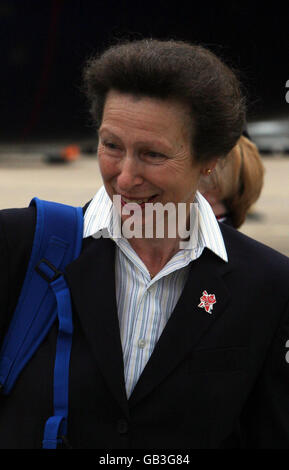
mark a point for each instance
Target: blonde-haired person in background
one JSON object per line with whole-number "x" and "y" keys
{"x": 235, "y": 183}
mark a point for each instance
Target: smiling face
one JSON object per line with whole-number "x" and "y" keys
{"x": 145, "y": 151}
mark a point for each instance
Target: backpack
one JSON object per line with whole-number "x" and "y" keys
{"x": 44, "y": 297}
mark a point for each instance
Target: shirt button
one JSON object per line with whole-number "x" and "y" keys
{"x": 122, "y": 426}
{"x": 141, "y": 343}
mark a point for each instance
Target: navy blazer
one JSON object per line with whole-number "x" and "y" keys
{"x": 217, "y": 380}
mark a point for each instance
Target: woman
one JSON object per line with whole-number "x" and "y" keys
{"x": 235, "y": 184}
{"x": 172, "y": 347}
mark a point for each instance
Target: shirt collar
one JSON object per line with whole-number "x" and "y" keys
{"x": 98, "y": 221}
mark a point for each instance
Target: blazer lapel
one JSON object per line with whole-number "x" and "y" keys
{"x": 188, "y": 322}
{"x": 92, "y": 283}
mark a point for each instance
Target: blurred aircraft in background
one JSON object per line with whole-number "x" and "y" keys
{"x": 270, "y": 136}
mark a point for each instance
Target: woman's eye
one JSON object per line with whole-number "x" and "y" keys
{"x": 110, "y": 145}
{"x": 155, "y": 155}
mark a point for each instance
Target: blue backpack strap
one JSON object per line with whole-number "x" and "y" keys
{"x": 56, "y": 426}
{"x": 57, "y": 242}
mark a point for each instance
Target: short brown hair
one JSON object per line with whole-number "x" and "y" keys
{"x": 179, "y": 70}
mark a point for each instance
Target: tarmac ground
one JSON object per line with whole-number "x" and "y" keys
{"x": 23, "y": 176}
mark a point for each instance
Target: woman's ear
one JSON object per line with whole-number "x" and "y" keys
{"x": 209, "y": 167}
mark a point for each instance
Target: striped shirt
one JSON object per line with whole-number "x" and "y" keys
{"x": 144, "y": 304}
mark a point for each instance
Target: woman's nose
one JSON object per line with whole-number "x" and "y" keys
{"x": 130, "y": 174}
